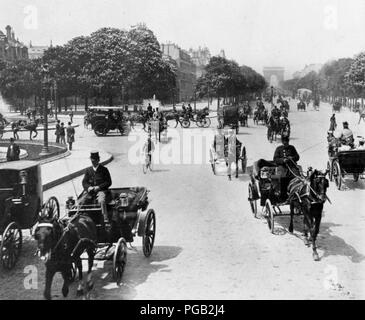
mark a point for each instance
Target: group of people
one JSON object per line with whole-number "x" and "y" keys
{"x": 61, "y": 132}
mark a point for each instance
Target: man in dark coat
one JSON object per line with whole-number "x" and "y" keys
{"x": 13, "y": 151}
{"x": 96, "y": 182}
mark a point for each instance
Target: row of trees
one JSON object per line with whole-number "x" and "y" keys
{"x": 109, "y": 64}
{"x": 342, "y": 79}
{"x": 226, "y": 79}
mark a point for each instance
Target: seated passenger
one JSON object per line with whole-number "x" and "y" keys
{"x": 361, "y": 145}
{"x": 347, "y": 137}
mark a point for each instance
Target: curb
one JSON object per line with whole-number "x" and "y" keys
{"x": 71, "y": 176}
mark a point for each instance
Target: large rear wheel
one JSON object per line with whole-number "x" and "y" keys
{"x": 206, "y": 122}
{"x": 100, "y": 129}
{"x": 11, "y": 246}
{"x": 337, "y": 174}
{"x": 148, "y": 238}
{"x": 185, "y": 124}
{"x": 251, "y": 199}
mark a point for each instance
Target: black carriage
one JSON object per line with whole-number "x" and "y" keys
{"x": 270, "y": 188}
{"x": 228, "y": 116}
{"x": 127, "y": 210}
{"x": 103, "y": 120}
{"x": 301, "y": 106}
{"x": 21, "y": 202}
{"x": 344, "y": 163}
{"x": 336, "y": 107}
{"x": 261, "y": 115}
{"x": 200, "y": 117}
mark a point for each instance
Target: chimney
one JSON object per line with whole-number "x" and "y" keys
{"x": 8, "y": 32}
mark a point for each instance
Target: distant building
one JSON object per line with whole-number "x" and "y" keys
{"x": 316, "y": 67}
{"x": 222, "y": 54}
{"x": 186, "y": 70}
{"x": 201, "y": 58}
{"x": 36, "y": 52}
{"x": 11, "y": 49}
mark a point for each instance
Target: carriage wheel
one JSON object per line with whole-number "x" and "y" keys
{"x": 356, "y": 177}
{"x": 100, "y": 130}
{"x": 119, "y": 260}
{"x": 253, "y": 203}
{"x": 148, "y": 239}
{"x": 269, "y": 215}
{"x": 337, "y": 174}
{"x": 185, "y": 124}
{"x": 329, "y": 171}
{"x": 51, "y": 209}
{"x": 11, "y": 246}
{"x": 206, "y": 122}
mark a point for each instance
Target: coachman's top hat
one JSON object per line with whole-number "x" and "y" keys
{"x": 94, "y": 155}
{"x": 345, "y": 123}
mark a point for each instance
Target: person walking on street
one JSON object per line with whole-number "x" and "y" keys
{"x": 15, "y": 128}
{"x": 13, "y": 151}
{"x": 70, "y": 135}
{"x": 71, "y": 114}
{"x": 57, "y": 132}
{"x": 333, "y": 124}
{"x": 62, "y": 134}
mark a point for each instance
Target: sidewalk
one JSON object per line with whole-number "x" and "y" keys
{"x": 66, "y": 168}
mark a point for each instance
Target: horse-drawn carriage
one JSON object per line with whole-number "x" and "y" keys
{"x": 229, "y": 116}
{"x": 277, "y": 126}
{"x": 219, "y": 154}
{"x": 106, "y": 119}
{"x": 200, "y": 117}
{"x": 336, "y": 107}
{"x": 343, "y": 163}
{"x": 21, "y": 202}
{"x": 305, "y": 194}
{"x": 301, "y": 105}
{"x": 127, "y": 209}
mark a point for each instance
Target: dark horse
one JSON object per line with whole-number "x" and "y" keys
{"x": 60, "y": 244}
{"x": 32, "y": 127}
{"x": 308, "y": 195}
{"x": 273, "y": 128}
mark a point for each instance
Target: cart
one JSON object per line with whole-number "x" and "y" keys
{"x": 229, "y": 116}
{"x": 127, "y": 209}
{"x": 21, "y": 202}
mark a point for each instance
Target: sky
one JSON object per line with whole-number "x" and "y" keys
{"x": 257, "y": 33}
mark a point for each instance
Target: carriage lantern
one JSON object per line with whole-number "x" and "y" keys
{"x": 124, "y": 200}
{"x": 23, "y": 180}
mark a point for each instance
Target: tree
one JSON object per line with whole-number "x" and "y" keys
{"x": 355, "y": 77}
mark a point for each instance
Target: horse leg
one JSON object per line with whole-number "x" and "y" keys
{"x": 91, "y": 255}
{"x": 291, "y": 225}
{"x": 80, "y": 288}
{"x": 315, "y": 231}
{"x": 305, "y": 233}
{"x": 66, "y": 275}
{"x": 36, "y": 133}
{"x": 50, "y": 272}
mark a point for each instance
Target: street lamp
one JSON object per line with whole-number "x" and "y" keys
{"x": 55, "y": 98}
{"x": 45, "y": 87}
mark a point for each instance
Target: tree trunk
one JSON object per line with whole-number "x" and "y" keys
{"x": 86, "y": 102}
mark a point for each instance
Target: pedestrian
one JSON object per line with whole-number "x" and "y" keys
{"x": 57, "y": 132}
{"x": 15, "y": 128}
{"x": 70, "y": 135}
{"x": 13, "y": 151}
{"x": 62, "y": 134}
{"x": 333, "y": 124}
{"x": 71, "y": 114}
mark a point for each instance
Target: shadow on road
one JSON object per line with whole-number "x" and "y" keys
{"x": 333, "y": 245}
{"x": 137, "y": 271}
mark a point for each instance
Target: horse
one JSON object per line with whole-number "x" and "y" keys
{"x": 273, "y": 128}
{"x": 32, "y": 127}
{"x": 308, "y": 195}
{"x": 60, "y": 244}
{"x": 243, "y": 117}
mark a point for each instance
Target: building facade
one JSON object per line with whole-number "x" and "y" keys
{"x": 201, "y": 58}
{"x": 186, "y": 70}
{"x": 11, "y": 49}
{"x": 36, "y": 52}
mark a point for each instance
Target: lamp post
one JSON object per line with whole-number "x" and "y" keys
{"x": 55, "y": 98}
{"x": 45, "y": 87}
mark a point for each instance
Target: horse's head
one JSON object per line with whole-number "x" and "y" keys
{"x": 319, "y": 184}
{"x": 47, "y": 233}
